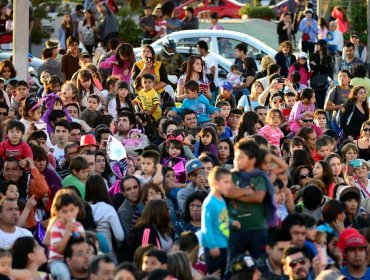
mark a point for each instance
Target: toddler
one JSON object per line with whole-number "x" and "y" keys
{"x": 234, "y": 76}
{"x": 134, "y": 139}
{"x": 91, "y": 113}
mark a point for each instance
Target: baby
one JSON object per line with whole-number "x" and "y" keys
{"x": 234, "y": 76}
{"x": 134, "y": 139}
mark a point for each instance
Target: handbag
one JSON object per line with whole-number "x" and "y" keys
{"x": 305, "y": 37}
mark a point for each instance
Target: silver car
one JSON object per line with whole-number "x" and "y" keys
{"x": 221, "y": 42}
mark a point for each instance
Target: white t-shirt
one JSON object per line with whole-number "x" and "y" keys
{"x": 211, "y": 60}
{"x": 7, "y": 239}
{"x": 58, "y": 154}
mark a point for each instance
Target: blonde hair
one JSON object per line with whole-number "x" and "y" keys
{"x": 266, "y": 61}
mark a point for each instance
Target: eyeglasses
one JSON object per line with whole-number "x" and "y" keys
{"x": 366, "y": 129}
{"x": 307, "y": 120}
{"x": 3, "y": 114}
{"x": 278, "y": 101}
{"x": 304, "y": 176}
{"x": 301, "y": 261}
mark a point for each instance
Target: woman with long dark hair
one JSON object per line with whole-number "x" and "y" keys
{"x": 323, "y": 171}
{"x": 66, "y": 29}
{"x": 154, "y": 227}
{"x": 195, "y": 72}
{"x": 121, "y": 63}
{"x": 322, "y": 66}
{"x": 246, "y": 125}
{"x": 285, "y": 27}
{"x": 105, "y": 217}
{"x": 354, "y": 113}
{"x": 149, "y": 65}
{"x": 87, "y": 29}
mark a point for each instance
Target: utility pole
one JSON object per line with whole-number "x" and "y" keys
{"x": 21, "y": 38}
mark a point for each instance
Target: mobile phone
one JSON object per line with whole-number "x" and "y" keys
{"x": 149, "y": 59}
{"x": 350, "y": 170}
{"x": 281, "y": 81}
{"x": 355, "y": 163}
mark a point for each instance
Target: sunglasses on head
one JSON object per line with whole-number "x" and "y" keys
{"x": 301, "y": 261}
{"x": 307, "y": 120}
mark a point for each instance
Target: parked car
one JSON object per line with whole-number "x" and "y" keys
{"x": 224, "y": 8}
{"x": 221, "y": 42}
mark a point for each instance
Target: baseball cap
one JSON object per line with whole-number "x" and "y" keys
{"x": 227, "y": 85}
{"x": 343, "y": 237}
{"x": 193, "y": 165}
{"x": 51, "y": 44}
{"x": 302, "y": 55}
{"x": 355, "y": 240}
{"x": 308, "y": 11}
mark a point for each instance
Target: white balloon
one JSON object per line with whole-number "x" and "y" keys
{"x": 115, "y": 149}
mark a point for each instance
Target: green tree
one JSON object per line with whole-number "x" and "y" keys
{"x": 129, "y": 30}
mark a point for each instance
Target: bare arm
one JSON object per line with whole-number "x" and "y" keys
{"x": 282, "y": 166}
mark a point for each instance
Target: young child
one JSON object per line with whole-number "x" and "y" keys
{"x": 290, "y": 100}
{"x": 174, "y": 157}
{"x": 69, "y": 93}
{"x": 110, "y": 88}
{"x": 208, "y": 141}
{"x": 304, "y": 107}
{"x": 6, "y": 261}
{"x": 65, "y": 209}
{"x": 122, "y": 100}
{"x": 301, "y": 66}
{"x": 91, "y": 113}
{"x": 224, "y": 108}
{"x": 223, "y": 131}
{"x": 52, "y": 86}
{"x": 10, "y": 88}
{"x": 9, "y": 189}
{"x": 14, "y": 146}
{"x": 52, "y": 103}
{"x": 134, "y": 139}
{"x": 215, "y": 228}
{"x": 151, "y": 169}
{"x": 226, "y": 94}
{"x": 79, "y": 173}
{"x": 147, "y": 98}
{"x": 86, "y": 87}
{"x": 198, "y": 103}
{"x": 271, "y": 130}
{"x": 234, "y": 76}
{"x": 45, "y": 75}
{"x": 21, "y": 91}
{"x": 322, "y": 149}
{"x": 319, "y": 118}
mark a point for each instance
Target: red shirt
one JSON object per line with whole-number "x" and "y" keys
{"x": 20, "y": 151}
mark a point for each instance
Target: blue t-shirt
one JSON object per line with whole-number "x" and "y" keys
{"x": 215, "y": 223}
{"x": 345, "y": 272}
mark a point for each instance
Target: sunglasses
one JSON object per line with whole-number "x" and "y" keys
{"x": 304, "y": 176}
{"x": 301, "y": 261}
{"x": 355, "y": 37}
{"x": 3, "y": 114}
{"x": 366, "y": 129}
{"x": 307, "y": 120}
{"x": 278, "y": 101}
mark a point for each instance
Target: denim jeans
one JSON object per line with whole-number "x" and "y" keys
{"x": 59, "y": 270}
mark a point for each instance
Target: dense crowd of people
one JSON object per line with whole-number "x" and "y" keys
{"x": 154, "y": 168}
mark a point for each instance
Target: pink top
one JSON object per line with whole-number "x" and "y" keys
{"x": 299, "y": 109}
{"x": 124, "y": 73}
{"x": 305, "y": 76}
{"x": 272, "y": 135}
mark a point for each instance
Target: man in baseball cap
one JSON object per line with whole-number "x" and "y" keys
{"x": 198, "y": 181}
{"x": 226, "y": 94}
{"x": 355, "y": 252}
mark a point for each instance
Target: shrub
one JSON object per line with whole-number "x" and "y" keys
{"x": 257, "y": 12}
{"x": 129, "y": 31}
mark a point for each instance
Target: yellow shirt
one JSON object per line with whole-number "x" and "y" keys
{"x": 148, "y": 100}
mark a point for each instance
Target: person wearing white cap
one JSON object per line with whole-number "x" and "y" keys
{"x": 309, "y": 28}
